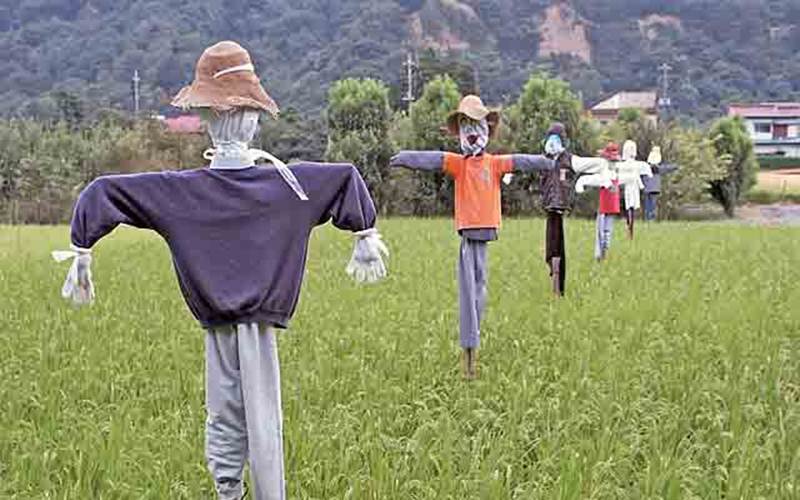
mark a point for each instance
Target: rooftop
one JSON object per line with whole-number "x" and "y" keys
{"x": 623, "y": 100}
{"x": 765, "y": 110}
{"x": 184, "y": 124}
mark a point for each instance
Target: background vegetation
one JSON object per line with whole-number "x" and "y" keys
{"x": 721, "y": 50}
{"x": 672, "y": 372}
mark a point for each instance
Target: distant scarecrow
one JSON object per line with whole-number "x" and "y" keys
{"x": 238, "y": 234}
{"x": 630, "y": 173}
{"x": 621, "y": 180}
{"x": 556, "y": 187}
{"x": 477, "y": 175}
{"x": 652, "y": 185}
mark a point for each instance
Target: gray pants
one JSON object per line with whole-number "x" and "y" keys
{"x": 243, "y": 403}
{"x": 605, "y": 228}
{"x": 472, "y": 293}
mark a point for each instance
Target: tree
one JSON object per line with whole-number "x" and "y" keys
{"x": 733, "y": 144}
{"x": 358, "y": 124}
{"x": 428, "y": 116}
{"x": 544, "y": 100}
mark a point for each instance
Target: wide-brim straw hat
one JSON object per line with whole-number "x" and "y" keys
{"x": 225, "y": 79}
{"x": 472, "y": 107}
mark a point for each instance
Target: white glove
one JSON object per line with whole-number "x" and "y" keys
{"x": 78, "y": 285}
{"x": 366, "y": 263}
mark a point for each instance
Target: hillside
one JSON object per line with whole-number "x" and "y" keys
{"x": 721, "y": 50}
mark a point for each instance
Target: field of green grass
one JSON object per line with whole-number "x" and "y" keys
{"x": 670, "y": 371}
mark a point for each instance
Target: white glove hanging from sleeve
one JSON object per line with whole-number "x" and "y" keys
{"x": 78, "y": 285}
{"x": 366, "y": 263}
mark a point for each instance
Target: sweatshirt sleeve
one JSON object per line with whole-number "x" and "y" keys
{"x": 531, "y": 163}
{"x": 113, "y": 200}
{"x": 418, "y": 160}
{"x": 351, "y": 207}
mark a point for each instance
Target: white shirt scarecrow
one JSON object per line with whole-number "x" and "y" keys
{"x": 260, "y": 219}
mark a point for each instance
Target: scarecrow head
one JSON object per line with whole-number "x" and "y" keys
{"x": 556, "y": 140}
{"x": 610, "y": 152}
{"x": 474, "y": 124}
{"x": 654, "y": 158}
{"x": 227, "y": 93}
{"x": 629, "y": 150}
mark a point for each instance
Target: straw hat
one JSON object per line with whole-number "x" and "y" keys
{"x": 225, "y": 79}
{"x": 610, "y": 152}
{"x": 472, "y": 107}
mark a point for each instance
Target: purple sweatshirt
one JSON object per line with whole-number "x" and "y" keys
{"x": 238, "y": 238}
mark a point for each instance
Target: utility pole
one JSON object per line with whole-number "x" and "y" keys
{"x": 136, "y": 81}
{"x": 664, "y": 101}
{"x": 411, "y": 67}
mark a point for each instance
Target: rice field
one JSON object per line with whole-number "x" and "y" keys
{"x": 671, "y": 371}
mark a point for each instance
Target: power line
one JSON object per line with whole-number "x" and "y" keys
{"x": 136, "y": 81}
{"x": 410, "y": 66}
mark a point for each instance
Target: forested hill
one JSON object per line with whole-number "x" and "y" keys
{"x": 721, "y": 50}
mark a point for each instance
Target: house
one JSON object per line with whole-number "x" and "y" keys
{"x": 773, "y": 126}
{"x": 608, "y": 110}
{"x": 183, "y": 124}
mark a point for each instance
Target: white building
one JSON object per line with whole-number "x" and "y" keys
{"x": 774, "y": 127}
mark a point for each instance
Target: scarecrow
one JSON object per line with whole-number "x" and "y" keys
{"x": 556, "y": 186}
{"x": 652, "y": 185}
{"x": 238, "y": 234}
{"x": 630, "y": 173}
{"x": 477, "y": 176}
{"x": 609, "y": 200}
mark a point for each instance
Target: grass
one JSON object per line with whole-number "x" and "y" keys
{"x": 671, "y": 371}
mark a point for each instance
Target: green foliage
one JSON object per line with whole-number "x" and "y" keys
{"x": 433, "y": 193}
{"x": 691, "y": 394}
{"x": 91, "y": 48}
{"x": 733, "y": 143}
{"x": 293, "y": 137}
{"x": 690, "y": 149}
{"x": 44, "y": 165}
{"x": 358, "y": 131}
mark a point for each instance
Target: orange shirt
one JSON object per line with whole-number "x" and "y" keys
{"x": 477, "y": 180}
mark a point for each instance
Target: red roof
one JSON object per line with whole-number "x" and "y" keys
{"x": 186, "y": 124}
{"x": 766, "y": 110}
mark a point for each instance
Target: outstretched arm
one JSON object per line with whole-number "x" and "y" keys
{"x": 106, "y": 203}
{"x": 664, "y": 169}
{"x": 531, "y": 163}
{"x": 594, "y": 180}
{"x": 583, "y": 165}
{"x": 352, "y": 209}
{"x": 418, "y": 160}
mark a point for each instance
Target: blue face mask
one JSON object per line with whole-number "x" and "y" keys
{"x": 553, "y": 147}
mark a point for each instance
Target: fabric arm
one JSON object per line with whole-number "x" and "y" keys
{"x": 531, "y": 163}
{"x": 665, "y": 169}
{"x": 110, "y": 201}
{"x": 418, "y": 160}
{"x": 583, "y": 165}
{"x": 593, "y": 180}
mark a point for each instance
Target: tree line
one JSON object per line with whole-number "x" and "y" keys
{"x": 44, "y": 164}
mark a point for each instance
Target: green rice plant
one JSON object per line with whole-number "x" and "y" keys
{"x": 669, "y": 371}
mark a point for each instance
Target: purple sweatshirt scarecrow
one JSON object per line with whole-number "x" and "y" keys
{"x": 238, "y": 238}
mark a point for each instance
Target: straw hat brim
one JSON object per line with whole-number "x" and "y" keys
{"x": 492, "y": 118}
{"x": 227, "y": 93}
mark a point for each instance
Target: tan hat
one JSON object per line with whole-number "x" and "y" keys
{"x": 471, "y": 106}
{"x": 225, "y": 79}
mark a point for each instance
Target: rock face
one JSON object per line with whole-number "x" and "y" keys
{"x": 446, "y": 25}
{"x": 651, "y": 25}
{"x": 563, "y": 31}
